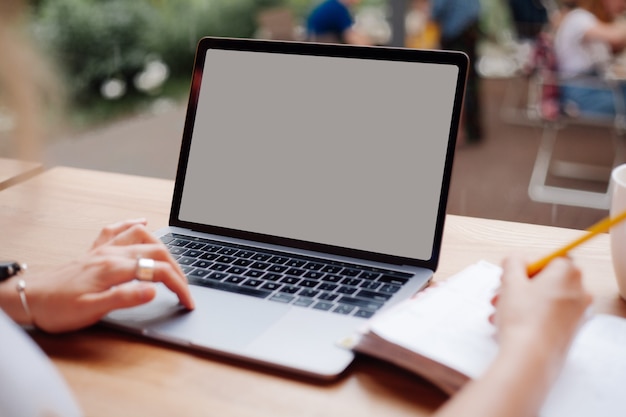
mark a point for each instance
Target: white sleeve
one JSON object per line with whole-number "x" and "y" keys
{"x": 584, "y": 21}
{"x": 574, "y": 55}
{"x": 30, "y": 385}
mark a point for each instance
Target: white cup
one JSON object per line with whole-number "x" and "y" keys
{"x": 618, "y": 232}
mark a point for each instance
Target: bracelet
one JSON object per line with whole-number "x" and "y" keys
{"x": 21, "y": 290}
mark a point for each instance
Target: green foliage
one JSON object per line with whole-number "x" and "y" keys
{"x": 495, "y": 20}
{"x": 301, "y": 8}
{"x": 181, "y": 23}
{"x": 94, "y": 40}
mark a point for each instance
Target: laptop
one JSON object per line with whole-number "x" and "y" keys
{"x": 310, "y": 196}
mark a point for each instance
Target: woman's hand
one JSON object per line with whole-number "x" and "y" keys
{"x": 536, "y": 319}
{"x": 541, "y": 313}
{"x": 80, "y": 293}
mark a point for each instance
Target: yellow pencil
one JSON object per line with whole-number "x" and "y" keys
{"x": 600, "y": 227}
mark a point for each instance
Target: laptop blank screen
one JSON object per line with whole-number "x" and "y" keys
{"x": 339, "y": 151}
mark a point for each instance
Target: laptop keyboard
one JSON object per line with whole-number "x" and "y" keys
{"x": 337, "y": 287}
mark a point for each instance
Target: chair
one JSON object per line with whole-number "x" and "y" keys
{"x": 556, "y": 116}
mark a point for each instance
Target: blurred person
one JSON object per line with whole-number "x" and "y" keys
{"x": 332, "y": 21}
{"x": 529, "y": 18}
{"x": 586, "y": 42}
{"x": 458, "y": 21}
{"x": 536, "y": 319}
{"x": 422, "y": 31}
{"x": 77, "y": 294}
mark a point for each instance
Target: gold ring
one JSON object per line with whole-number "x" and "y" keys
{"x": 145, "y": 269}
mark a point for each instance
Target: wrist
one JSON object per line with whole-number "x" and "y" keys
{"x": 539, "y": 356}
{"x": 14, "y": 302}
{"x": 527, "y": 368}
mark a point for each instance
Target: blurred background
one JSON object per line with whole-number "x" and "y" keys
{"x": 127, "y": 66}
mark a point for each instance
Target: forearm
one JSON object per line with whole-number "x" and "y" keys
{"x": 614, "y": 34}
{"x": 619, "y": 34}
{"x": 515, "y": 385}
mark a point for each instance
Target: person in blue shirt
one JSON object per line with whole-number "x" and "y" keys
{"x": 332, "y": 21}
{"x": 458, "y": 22}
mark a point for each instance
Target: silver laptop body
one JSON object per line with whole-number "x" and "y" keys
{"x": 329, "y": 155}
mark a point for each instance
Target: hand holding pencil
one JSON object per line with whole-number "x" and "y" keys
{"x": 600, "y": 227}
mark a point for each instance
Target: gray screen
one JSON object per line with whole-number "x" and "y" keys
{"x": 345, "y": 152}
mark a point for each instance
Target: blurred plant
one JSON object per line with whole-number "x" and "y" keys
{"x": 181, "y": 23}
{"x": 94, "y": 41}
{"x": 97, "y": 42}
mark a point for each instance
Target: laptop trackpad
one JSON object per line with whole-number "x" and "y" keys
{"x": 220, "y": 320}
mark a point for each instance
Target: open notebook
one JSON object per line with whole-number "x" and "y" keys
{"x": 444, "y": 335}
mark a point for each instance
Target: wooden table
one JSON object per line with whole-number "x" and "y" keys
{"x": 13, "y": 171}
{"x": 114, "y": 374}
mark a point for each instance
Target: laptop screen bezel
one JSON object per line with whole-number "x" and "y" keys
{"x": 457, "y": 59}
